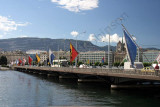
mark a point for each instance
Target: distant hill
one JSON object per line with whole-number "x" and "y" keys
{"x": 25, "y": 44}
{"x": 145, "y": 49}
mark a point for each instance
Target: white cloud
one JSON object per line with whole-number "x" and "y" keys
{"x": 23, "y": 36}
{"x": 91, "y": 37}
{"x": 1, "y": 36}
{"x": 7, "y": 25}
{"x": 113, "y": 38}
{"x": 77, "y": 5}
{"x": 74, "y": 33}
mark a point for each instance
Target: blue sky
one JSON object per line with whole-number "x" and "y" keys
{"x": 86, "y": 18}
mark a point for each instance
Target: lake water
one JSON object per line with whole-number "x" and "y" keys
{"x": 18, "y": 89}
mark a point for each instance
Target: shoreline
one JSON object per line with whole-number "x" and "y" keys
{"x": 4, "y": 68}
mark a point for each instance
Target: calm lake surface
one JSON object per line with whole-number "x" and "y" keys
{"x": 18, "y": 89}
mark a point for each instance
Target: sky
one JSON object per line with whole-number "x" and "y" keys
{"x": 89, "y": 20}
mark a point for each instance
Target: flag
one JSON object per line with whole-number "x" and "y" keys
{"x": 103, "y": 60}
{"x": 16, "y": 62}
{"x": 24, "y": 61}
{"x": 51, "y": 57}
{"x": 73, "y": 53}
{"x": 29, "y": 60}
{"x": 88, "y": 62}
{"x": 38, "y": 58}
{"x": 131, "y": 47}
{"x": 20, "y": 61}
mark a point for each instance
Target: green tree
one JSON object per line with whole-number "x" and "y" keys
{"x": 122, "y": 64}
{"x": 105, "y": 63}
{"x": 97, "y": 63}
{"x": 147, "y": 64}
{"x": 116, "y": 64}
{"x": 79, "y": 63}
{"x": 3, "y": 60}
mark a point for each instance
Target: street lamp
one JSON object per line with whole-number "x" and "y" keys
{"x": 76, "y": 47}
{"x": 108, "y": 50}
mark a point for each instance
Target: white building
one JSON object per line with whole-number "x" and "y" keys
{"x": 95, "y": 56}
{"x": 150, "y": 55}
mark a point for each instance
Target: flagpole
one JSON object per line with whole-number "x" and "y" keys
{"x": 138, "y": 54}
{"x": 58, "y": 55}
{"x": 109, "y": 52}
{"x": 77, "y": 50}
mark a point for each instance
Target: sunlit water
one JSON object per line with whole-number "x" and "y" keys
{"x": 19, "y": 89}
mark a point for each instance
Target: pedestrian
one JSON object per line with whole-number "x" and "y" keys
{"x": 156, "y": 69}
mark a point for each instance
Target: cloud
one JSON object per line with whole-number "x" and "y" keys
{"x": 7, "y": 25}
{"x": 1, "y": 36}
{"x": 77, "y": 5}
{"x": 91, "y": 37}
{"x": 23, "y": 36}
{"x": 113, "y": 38}
{"x": 74, "y": 33}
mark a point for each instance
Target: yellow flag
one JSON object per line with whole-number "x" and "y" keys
{"x": 38, "y": 58}
{"x": 88, "y": 62}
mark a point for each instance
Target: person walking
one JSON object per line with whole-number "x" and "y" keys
{"x": 156, "y": 69}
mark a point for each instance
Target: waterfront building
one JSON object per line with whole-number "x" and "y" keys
{"x": 34, "y": 51}
{"x": 32, "y": 54}
{"x": 95, "y": 56}
{"x": 43, "y": 57}
{"x": 62, "y": 55}
{"x": 150, "y": 55}
{"x": 120, "y": 53}
{"x": 14, "y": 55}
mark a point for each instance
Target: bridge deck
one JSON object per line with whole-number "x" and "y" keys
{"x": 136, "y": 74}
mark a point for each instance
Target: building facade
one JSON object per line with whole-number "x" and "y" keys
{"x": 95, "y": 56}
{"x": 120, "y": 53}
{"x": 43, "y": 57}
{"x": 12, "y": 56}
{"x": 150, "y": 55}
{"x": 62, "y": 55}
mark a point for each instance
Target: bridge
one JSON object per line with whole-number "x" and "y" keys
{"x": 110, "y": 76}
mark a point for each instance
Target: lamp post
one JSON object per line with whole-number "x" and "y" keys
{"x": 76, "y": 47}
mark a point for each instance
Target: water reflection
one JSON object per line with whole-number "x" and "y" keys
{"x": 21, "y": 89}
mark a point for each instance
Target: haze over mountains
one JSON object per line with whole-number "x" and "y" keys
{"x": 25, "y": 44}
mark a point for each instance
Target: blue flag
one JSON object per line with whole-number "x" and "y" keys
{"x": 103, "y": 60}
{"x": 51, "y": 57}
{"x": 131, "y": 47}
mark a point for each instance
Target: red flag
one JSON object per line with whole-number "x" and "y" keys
{"x": 29, "y": 60}
{"x": 20, "y": 61}
{"x": 73, "y": 53}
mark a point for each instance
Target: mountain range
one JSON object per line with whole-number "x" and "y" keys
{"x": 27, "y": 43}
